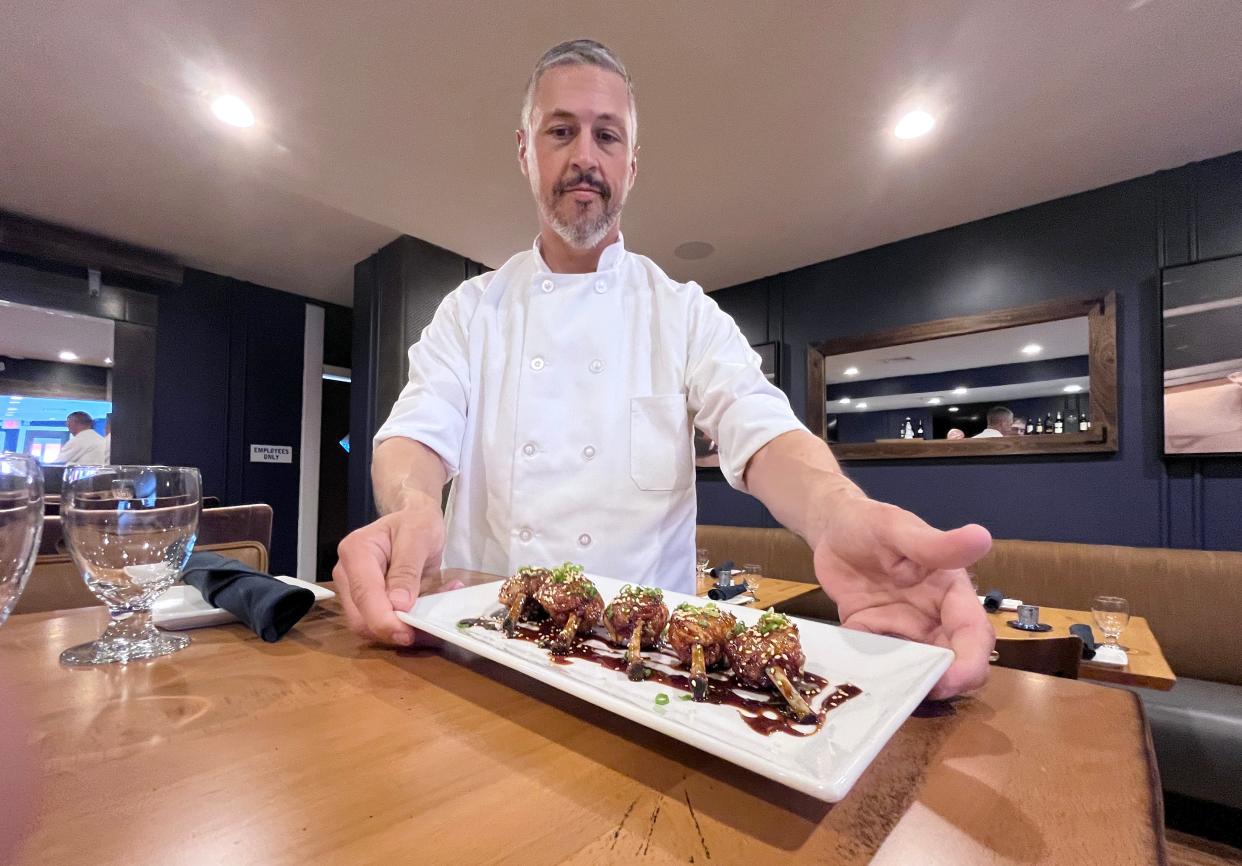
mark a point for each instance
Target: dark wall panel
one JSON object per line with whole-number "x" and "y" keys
{"x": 1111, "y": 239}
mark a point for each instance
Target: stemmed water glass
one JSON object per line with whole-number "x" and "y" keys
{"x": 21, "y": 524}
{"x": 130, "y": 531}
{"x": 752, "y": 572}
{"x": 1111, "y": 615}
{"x": 701, "y": 561}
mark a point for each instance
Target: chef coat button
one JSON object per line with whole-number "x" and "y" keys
{"x": 548, "y": 285}
{"x": 584, "y": 540}
{"x": 529, "y": 449}
{"x": 536, "y": 363}
{"x": 526, "y": 535}
{"x": 600, "y": 287}
{"x": 597, "y": 365}
{"x": 589, "y": 452}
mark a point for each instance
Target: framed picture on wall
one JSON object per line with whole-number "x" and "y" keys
{"x": 1201, "y": 315}
{"x": 706, "y": 453}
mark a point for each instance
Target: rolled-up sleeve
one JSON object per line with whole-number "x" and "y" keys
{"x": 732, "y": 401}
{"x": 432, "y": 406}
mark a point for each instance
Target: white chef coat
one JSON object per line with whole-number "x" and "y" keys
{"x": 561, "y": 406}
{"x": 86, "y": 447}
{"x": 989, "y": 433}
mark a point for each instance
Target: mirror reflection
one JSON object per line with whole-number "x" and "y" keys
{"x": 1029, "y": 380}
{"x": 55, "y": 385}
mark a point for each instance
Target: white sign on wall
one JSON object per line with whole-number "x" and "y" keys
{"x": 271, "y": 453}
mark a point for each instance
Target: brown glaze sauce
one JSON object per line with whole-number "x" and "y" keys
{"x": 764, "y": 715}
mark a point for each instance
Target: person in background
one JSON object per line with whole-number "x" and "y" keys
{"x": 1019, "y": 426}
{"x": 85, "y": 446}
{"x": 1000, "y": 423}
{"x": 108, "y": 438}
{"x": 954, "y": 433}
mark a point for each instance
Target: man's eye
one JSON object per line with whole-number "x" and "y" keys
{"x": 605, "y": 135}
{"x": 560, "y": 132}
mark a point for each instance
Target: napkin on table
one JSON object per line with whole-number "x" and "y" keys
{"x": 267, "y": 606}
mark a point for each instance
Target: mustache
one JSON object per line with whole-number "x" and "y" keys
{"x": 583, "y": 179}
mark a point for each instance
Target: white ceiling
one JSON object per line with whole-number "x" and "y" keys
{"x": 993, "y": 395}
{"x": 1067, "y": 338}
{"x": 42, "y": 334}
{"x": 765, "y": 128}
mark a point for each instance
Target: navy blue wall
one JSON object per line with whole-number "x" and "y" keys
{"x": 1111, "y": 239}
{"x": 229, "y": 375}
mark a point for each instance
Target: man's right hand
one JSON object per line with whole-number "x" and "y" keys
{"x": 381, "y": 565}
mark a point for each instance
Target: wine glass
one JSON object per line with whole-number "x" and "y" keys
{"x": 1111, "y": 615}
{"x": 21, "y": 524}
{"x": 751, "y": 572}
{"x": 701, "y": 560}
{"x": 130, "y": 530}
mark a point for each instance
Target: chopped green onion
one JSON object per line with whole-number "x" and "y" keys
{"x": 661, "y": 699}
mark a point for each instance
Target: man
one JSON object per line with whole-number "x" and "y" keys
{"x": 1000, "y": 423}
{"x": 85, "y": 446}
{"x": 555, "y": 392}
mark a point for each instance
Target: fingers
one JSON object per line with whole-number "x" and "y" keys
{"x": 932, "y": 548}
{"x": 364, "y": 560}
{"x": 970, "y": 637}
{"x": 410, "y": 550}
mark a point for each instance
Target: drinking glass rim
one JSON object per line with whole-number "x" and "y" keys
{"x": 1107, "y": 599}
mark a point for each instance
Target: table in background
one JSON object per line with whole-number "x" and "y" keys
{"x": 774, "y": 592}
{"x": 1147, "y": 666}
{"x": 321, "y": 749}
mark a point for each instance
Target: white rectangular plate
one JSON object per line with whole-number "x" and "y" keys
{"x": 183, "y": 606}
{"x": 894, "y": 676}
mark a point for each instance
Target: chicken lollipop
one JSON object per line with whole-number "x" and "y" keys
{"x": 634, "y": 619}
{"x": 572, "y": 602}
{"x": 698, "y": 636}
{"x": 769, "y": 655}
{"x": 517, "y": 594}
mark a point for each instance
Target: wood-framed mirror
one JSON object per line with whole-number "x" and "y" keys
{"x": 973, "y": 386}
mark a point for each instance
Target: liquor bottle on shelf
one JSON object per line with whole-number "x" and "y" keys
{"x": 1084, "y": 423}
{"x": 1059, "y": 425}
{"x": 919, "y": 432}
{"x": 1048, "y": 423}
{"x": 1030, "y": 426}
{"x": 901, "y": 431}
{"x": 907, "y": 431}
{"x": 1039, "y": 425}
{"x": 1071, "y": 422}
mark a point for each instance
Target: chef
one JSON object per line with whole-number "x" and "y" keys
{"x": 558, "y": 392}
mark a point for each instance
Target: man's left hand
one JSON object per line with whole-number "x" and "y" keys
{"x": 891, "y": 573}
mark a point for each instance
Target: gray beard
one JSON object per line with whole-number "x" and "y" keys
{"x": 584, "y": 233}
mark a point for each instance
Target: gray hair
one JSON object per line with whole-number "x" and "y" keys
{"x": 580, "y": 52}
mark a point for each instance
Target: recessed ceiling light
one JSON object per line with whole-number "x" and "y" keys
{"x": 851, "y": 371}
{"x": 862, "y": 405}
{"x": 232, "y": 111}
{"x": 952, "y": 408}
{"x": 844, "y": 401}
{"x": 1032, "y": 349}
{"x": 692, "y": 250}
{"x": 914, "y": 124}
{"x": 66, "y": 355}
{"x": 1072, "y": 389}
{"x": 960, "y": 389}
{"x": 934, "y": 401}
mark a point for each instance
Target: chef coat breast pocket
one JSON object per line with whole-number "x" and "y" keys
{"x": 660, "y": 447}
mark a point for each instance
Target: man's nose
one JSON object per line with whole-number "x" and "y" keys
{"x": 585, "y": 156}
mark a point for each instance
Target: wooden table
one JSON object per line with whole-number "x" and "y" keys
{"x": 1147, "y": 666}
{"x": 321, "y": 749}
{"x": 774, "y": 592}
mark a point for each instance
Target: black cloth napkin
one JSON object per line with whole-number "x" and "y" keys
{"x": 1084, "y": 632}
{"x": 992, "y": 601}
{"x": 718, "y": 593}
{"x": 269, "y": 607}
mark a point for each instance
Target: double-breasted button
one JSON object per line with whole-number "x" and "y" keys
{"x": 526, "y": 534}
{"x": 584, "y": 540}
{"x": 600, "y": 287}
{"x": 548, "y": 285}
{"x": 588, "y": 452}
{"x": 529, "y": 449}
{"x": 596, "y": 366}
{"x": 536, "y": 363}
